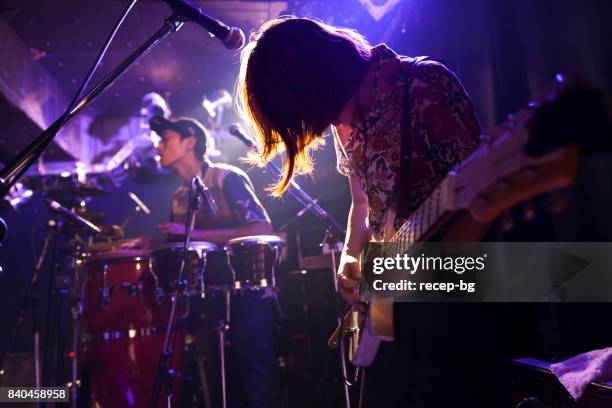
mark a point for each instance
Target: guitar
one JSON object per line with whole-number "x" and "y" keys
{"x": 495, "y": 177}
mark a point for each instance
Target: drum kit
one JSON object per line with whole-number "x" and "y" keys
{"x": 122, "y": 299}
{"x": 121, "y": 306}
{"x": 126, "y": 297}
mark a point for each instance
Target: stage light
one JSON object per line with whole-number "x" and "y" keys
{"x": 215, "y": 105}
{"x": 378, "y": 8}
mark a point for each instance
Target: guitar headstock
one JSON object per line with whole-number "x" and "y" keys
{"x": 501, "y": 174}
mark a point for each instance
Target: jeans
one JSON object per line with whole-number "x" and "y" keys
{"x": 251, "y": 372}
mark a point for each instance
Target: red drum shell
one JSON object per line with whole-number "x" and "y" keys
{"x": 121, "y": 372}
{"x": 122, "y": 341}
{"x": 124, "y": 311}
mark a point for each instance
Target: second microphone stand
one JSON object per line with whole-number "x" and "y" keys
{"x": 332, "y": 239}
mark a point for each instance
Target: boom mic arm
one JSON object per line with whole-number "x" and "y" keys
{"x": 232, "y": 37}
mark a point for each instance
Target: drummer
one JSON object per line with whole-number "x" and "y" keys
{"x": 182, "y": 147}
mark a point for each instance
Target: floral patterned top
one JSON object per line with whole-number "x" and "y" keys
{"x": 443, "y": 127}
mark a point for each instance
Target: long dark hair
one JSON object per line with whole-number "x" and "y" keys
{"x": 296, "y": 75}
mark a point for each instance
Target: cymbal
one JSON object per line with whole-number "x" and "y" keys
{"x": 108, "y": 246}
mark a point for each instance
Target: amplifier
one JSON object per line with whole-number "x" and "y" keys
{"x": 531, "y": 384}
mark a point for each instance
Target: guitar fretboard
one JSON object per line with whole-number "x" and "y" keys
{"x": 422, "y": 220}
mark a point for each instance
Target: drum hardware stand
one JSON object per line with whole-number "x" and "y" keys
{"x": 42, "y": 369}
{"x": 73, "y": 292}
{"x": 203, "y": 379}
{"x": 223, "y": 326}
{"x": 77, "y": 311}
{"x": 65, "y": 290}
{"x": 49, "y": 326}
{"x": 32, "y": 300}
{"x": 58, "y": 310}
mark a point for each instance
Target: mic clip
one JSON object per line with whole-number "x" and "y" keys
{"x": 202, "y": 194}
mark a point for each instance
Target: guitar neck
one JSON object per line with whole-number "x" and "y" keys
{"x": 428, "y": 218}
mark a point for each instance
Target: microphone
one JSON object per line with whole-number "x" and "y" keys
{"x": 236, "y": 130}
{"x": 139, "y": 203}
{"x": 204, "y": 192}
{"x": 232, "y": 37}
{"x": 72, "y": 216}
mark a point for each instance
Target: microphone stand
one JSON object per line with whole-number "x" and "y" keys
{"x": 332, "y": 240}
{"x": 32, "y": 300}
{"x": 306, "y": 201}
{"x": 295, "y": 191}
{"x": 164, "y": 372}
{"x": 11, "y": 173}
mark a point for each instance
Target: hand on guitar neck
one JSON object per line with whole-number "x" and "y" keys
{"x": 349, "y": 279}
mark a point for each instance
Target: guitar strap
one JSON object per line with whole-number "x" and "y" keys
{"x": 405, "y": 177}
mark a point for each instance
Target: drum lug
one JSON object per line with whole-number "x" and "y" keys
{"x": 133, "y": 289}
{"x": 105, "y": 296}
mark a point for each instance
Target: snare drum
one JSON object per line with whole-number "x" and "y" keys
{"x": 253, "y": 260}
{"x": 166, "y": 261}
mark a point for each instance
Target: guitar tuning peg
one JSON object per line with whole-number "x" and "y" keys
{"x": 528, "y": 211}
{"x": 506, "y": 222}
{"x": 555, "y": 202}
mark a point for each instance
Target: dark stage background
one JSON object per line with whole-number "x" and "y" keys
{"x": 504, "y": 52}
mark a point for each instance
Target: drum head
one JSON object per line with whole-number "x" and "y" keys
{"x": 202, "y": 246}
{"x": 272, "y": 240}
{"x": 136, "y": 254}
{"x": 253, "y": 259}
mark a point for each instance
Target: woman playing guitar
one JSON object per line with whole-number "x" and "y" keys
{"x": 399, "y": 124}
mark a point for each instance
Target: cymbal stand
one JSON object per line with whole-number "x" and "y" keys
{"x": 32, "y": 300}
{"x": 76, "y": 311}
{"x": 223, "y": 326}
